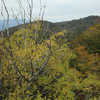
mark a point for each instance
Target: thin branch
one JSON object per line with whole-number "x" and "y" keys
{"x": 44, "y": 33}
{"x": 40, "y": 68}
{"x": 14, "y": 63}
{"x": 7, "y": 17}
{"x": 43, "y": 12}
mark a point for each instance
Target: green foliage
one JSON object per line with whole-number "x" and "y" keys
{"x": 74, "y": 28}
{"x": 46, "y": 70}
{"x": 23, "y": 58}
{"x": 91, "y": 38}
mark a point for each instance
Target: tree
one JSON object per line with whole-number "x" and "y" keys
{"x": 28, "y": 61}
{"x": 32, "y": 67}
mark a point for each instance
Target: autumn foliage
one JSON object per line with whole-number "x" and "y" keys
{"x": 35, "y": 69}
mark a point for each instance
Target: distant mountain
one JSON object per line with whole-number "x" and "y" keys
{"x": 77, "y": 27}
{"x": 12, "y": 23}
{"x": 74, "y": 28}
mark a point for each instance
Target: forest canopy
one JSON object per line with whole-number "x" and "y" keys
{"x": 57, "y": 65}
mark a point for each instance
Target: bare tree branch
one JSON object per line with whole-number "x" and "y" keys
{"x": 32, "y": 78}
{"x": 7, "y": 17}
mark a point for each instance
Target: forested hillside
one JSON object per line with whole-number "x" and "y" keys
{"x": 42, "y": 60}
{"x": 91, "y": 38}
{"x": 74, "y": 28}
{"x": 38, "y": 62}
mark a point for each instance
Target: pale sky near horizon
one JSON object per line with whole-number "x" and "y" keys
{"x": 58, "y": 10}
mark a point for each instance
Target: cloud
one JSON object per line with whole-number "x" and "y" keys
{"x": 72, "y": 8}
{"x": 59, "y": 10}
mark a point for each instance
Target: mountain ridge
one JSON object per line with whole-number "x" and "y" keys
{"x": 74, "y": 28}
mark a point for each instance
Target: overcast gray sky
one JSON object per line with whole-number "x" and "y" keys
{"x": 60, "y": 10}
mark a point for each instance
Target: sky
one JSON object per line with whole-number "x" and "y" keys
{"x": 57, "y": 10}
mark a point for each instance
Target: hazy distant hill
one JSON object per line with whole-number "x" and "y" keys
{"x": 74, "y": 28}
{"x": 12, "y": 23}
